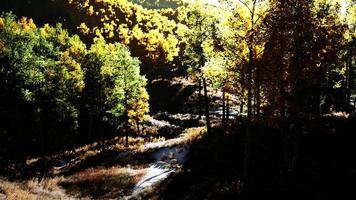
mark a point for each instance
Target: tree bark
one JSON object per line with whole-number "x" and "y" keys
{"x": 248, "y": 137}
{"x": 138, "y": 127}
{"x": 258, "y": 95}
{"x": 242, "y": 106}
{"x": 200, "y": 100}
{"x": 328, "y": 92}
{"x": 206, "y": 104}
{"x": 223, "y": 106}
{"x": 227, "y": 108}
{"x": 126, "y": 126}
{"x": 349, "y": 78}
{"x": 126, "y": 129}
{"x": 20, "y": 139}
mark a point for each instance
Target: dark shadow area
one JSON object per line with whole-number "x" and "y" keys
{"x": 165, "y": 96}
{"x": 324, "y": 168}
{"x": 42, "y": 11}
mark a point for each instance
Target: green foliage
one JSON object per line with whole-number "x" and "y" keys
{"x": 42, "y": 68}
{"x": 52, "y": 86}
{"x": 289, "y": 57}
{"x": 199, "y": 34}
{"x": 121, "y": 85}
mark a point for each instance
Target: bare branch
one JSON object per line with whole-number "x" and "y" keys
{"x": 246, "y": 5}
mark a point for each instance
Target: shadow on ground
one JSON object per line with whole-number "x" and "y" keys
{"x": 324, "y": 169}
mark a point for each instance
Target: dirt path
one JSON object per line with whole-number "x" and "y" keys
{"x": 167, "y": 157}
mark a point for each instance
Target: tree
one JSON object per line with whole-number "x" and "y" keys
{"x": 304, "y": 61}
{"x": 215, "y": 71}
{"x": 350, "y": 37}
{"x": 114, "y": 87}
{"x": 245, "y": 22}
{"x": 201, "y": 27}
{"x": 150, "y": 35}
{"x": 41, "y": 81}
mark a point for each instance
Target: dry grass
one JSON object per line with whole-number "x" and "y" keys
{"x": 93, "y": 174}
{"x": 192, "y": 134}
{"x": 92, "y": 183}
{"x": 340, "y": 115}
{"x": 80, "y": 156}
{"x": 103, "y": 183}
{"x": 32, "y": 189}
{"x": 134, "y": 143}
{"x": 49, "y": 184}
{"x": 96, "y": 182}
{"x": 14, "y": 191}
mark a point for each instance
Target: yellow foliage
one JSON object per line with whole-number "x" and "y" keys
{"x": 91, "y": 10}
{"x": 84, "y": 29}
{"x": 31, "y": 24}
{"x": 151, "y": 31}
{"x": 2, "y": 22}
{"x": 140, "y": 108}
{"x": 111, "y": 34}
{"x": 27, "y": 24}
{"x": 2, "y": 45}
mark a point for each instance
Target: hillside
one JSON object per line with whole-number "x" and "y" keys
{"x": 177, "y": 99}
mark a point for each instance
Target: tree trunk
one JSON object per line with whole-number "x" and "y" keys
{"x": 206, "y": 103}
{"x": 223, "y": 106}
{"x": 242, "y": 106}
{"x": 42, "y": 132}
{"x": 349, "y": 78}
{"x": 200, "y": 100}
{"x": 258, "y": 96}
{"x": 227, "y": 108}
{"x": 126, "y": 126}
{"x": 126, "y": 130}
{"x": 90, "y": 127}
{"x": 20, "y": 140}
{"x": 248, "y": 138}
{"x": 138, "y": 127}
{"x": 283, "y": 121}
{"x": 328, "y": 92}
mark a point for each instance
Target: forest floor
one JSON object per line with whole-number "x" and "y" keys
{"x": 183, "y": 162}
{"x": 103, "y": 171}
{"x": 323, "y": 165}
{"x": 195, "y": 165}
{"x": 109, "y": 169}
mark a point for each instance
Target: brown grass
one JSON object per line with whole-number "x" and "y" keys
{"x": 13, "y": 191}
{"x": 32, "y": 189}
{"x": 97, "y": 183}
{"x": 102, "y": 183}
{"x": 340, "y": 115}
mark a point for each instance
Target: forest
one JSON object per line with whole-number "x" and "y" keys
{"x": 177, "y": 99}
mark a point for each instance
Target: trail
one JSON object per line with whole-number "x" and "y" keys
{"x": 167, "y": 157}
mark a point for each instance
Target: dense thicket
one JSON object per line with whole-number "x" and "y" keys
{"x": 51, "y": 85}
